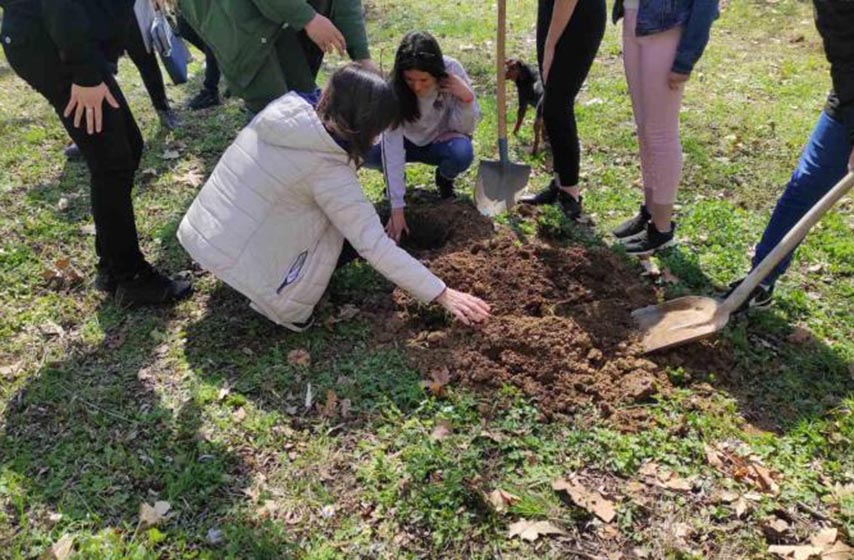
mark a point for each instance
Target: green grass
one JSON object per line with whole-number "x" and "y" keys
{"x": 199, "y": 406}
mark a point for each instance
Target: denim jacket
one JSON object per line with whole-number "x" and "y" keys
{"x": 695, "y": 17}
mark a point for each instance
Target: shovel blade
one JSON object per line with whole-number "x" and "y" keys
{"x": 499, "y": 185}
{"x": 679, "y": 321}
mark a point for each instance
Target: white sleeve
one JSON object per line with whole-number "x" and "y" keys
{"x": 394, "y": 165}
{"x": 340, "y": 196}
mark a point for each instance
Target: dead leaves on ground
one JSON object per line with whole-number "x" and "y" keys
{"x": 60, "y": 550}
{"x": 299, "y": 358}
{"x": 744, "y": 469}
{"x": 589, "y": 500}
{"x": 61, "y": 275}
{"x": 439, "y": 379}
{"x": 824, "y": 545}
{"x": 501, "y": 500}
{"x": 152, "y": 516}
{"x": 532, "y": 530}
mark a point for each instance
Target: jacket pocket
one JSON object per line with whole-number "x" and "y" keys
{"x": 293, "y": 273}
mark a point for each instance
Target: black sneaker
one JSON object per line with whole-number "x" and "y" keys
{"x": 634, "y": 226}
{"x": 169, "y": 119}
{"x": 546, "y": 196}
{"x": 651, "y": 240}
{"x": 570, "y": 205}
{"x": 446, "y": 186}
{"x": 72, "y": 151}
{"x": 205, "y": 99}
{"x": 760, "y": 298}
{"x": 151, "y": 287}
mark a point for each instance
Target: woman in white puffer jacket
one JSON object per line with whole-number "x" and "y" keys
{"x": 272, "y": 219}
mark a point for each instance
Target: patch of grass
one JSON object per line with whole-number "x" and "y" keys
{"x": 104, "y": 409}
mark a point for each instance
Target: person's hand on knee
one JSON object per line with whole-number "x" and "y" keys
{"x": 89, "y": 101}
{"x": 325, "y": 35}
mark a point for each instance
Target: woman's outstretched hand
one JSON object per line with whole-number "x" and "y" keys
{"x": 465, "y": 307}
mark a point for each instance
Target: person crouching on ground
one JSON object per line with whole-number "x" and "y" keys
{"x": 438, "y": 116}
{"x": 272, "y": 219}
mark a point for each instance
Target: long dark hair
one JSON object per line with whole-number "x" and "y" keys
{"x": 417, "y": 51}
{"x": 356, "y": 106}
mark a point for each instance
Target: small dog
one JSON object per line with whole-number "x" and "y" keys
{"x": 529, "y": 88}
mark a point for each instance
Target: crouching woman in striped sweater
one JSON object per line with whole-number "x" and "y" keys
{"x": 272, "y": 219}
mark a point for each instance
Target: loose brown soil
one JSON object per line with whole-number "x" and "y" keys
{"x": 561, "y": 329}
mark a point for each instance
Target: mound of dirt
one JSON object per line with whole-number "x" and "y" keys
{"x": 562, "y": 330}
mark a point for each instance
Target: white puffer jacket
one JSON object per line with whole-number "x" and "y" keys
{"x": 271, "y": 220}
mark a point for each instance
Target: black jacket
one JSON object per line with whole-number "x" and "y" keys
{"x": 87, "y": 33}
{"x": 835, "y": 22}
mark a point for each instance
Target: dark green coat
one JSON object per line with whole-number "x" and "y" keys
{"x": 255, "y": 41}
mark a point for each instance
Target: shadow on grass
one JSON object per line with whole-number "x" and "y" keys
{"x": 97, "y": 434}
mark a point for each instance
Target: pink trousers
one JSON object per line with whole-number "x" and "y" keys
{"x": 647, "y": 61}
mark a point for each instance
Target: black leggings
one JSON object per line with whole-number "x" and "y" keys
{"x": 573, "y": 57}
{"x": 212, "y": 73}
{"x": 146, "y": 63}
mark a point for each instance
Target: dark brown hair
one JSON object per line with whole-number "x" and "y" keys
{"x": 356, "y": 106}
{"x": 417, "y": 51}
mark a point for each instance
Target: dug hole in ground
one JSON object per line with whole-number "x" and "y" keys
{"x": 561, "y": 330}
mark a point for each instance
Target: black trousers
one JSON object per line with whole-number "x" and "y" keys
{"x": 574, "y": 54}
{"x": 146, "y": 63}
{"x": 212, "y": 73}
{"x": 112, "y": 155}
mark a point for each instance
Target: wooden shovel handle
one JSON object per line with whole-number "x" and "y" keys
{"x": 499, "y": 64}
{"x": 786, "y": 245}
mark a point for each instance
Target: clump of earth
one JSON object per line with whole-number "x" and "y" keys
{"x": 561, "y": 330}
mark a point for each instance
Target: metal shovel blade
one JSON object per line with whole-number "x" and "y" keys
{"x": 679, "y": 321}
{"x": 499, "y": 185}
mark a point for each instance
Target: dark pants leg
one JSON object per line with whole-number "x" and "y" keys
{"x": 212, "y": 73}
{"x": 823, "y": 163}
{"x": 146, "y": 63}
{"x": 112, "y": 155}
{"x": 574, "y": 54}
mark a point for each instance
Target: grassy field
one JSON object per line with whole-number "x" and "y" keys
{"x": 204, "y": 405}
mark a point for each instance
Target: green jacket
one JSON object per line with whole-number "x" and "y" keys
{"x": 242, "y": 33}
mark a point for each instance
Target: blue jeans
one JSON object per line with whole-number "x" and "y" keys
{"x": 823, "y": 163}
{"x": 452, "y": 157}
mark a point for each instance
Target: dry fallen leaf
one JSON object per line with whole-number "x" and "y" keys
{"x": 590, "y": 500}
{"x": 10, "y": 370}
{"x": 741, "y": 507}
{"x": 151, "y": 516}
{"x": 838, "y": 551}
{"x": 299, "y": 357}
{"x": 442, "y": 430}
{"x": 331, "y": 406}
{"x": 501, "y": 500}
{"x": 532, "y": 530}
{"x": 713, "y": 457}
{"x": 439, "y": 378}
{"x": 802, "y": 552}
{"x": 240, "y": 414}
{"x": 764, "y": 479}
{"x": 799, "y": 335}
{"x": 668, "y": 277}
{"x": 223, "y": 392}
{"x": 170, "y": 154}
{"x": 775, "y": 528}
{"x": 192, "y": 178}
{"x": 60, "y": 550}
{"x": 825, "y": 537}
{"x": 346, "y": 406}
{"x": 650, "y": 268}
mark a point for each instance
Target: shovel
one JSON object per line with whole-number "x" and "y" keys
{"x": 500, "y": 182}
{"x": 691, "y": 318}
